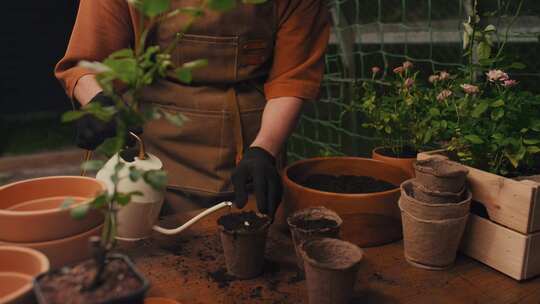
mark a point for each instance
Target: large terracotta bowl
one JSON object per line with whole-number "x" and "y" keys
{"x": 18, "y": 267}
{"x": 65, "y": 251}
{"x": 30, "y": 210}
{"x": 368, "y": 219}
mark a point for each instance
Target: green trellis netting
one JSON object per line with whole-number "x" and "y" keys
{"x": 385, "y": 33}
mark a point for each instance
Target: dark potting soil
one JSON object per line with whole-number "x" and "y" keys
{"x": 242, "y": 221}
{"x": 68, "y": 284}
{"x": 349, "y": 184}
{"x": 308, "y": 224}
{"x": 407, "y": 152}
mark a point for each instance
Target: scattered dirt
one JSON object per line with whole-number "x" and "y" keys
{"x": 312, "y": 224}
{"x": 350, "y": 184}
{"x": 242, "y": 221}
{"x": 67, "y": 285}
{"x": 407, "y": 152}
{"x": 221, "y": 277}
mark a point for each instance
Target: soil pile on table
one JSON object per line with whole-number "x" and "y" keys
{"x": 68, "y": 284}
{"x": 243, "y": 221}
{"x": 347, "y": 184}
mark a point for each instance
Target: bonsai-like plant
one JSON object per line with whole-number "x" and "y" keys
{"x": 135, "y": 68}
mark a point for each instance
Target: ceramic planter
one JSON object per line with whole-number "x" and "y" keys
{"x": 368, "y": 219}
{"x": 244, "y": 249}
{"x": 133, "y": 297}
{"x": 432, "y": 232}
{"x": 30, "y": 210}
{"x": 301, "y": 232}
{"x": 18, "y": 267}
{"x": 440, "y": 174}
{"x": 331, "y": 268}
{"x": 405, "y": 163}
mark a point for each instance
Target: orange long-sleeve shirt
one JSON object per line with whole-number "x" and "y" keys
{"x": 104, "y": 26}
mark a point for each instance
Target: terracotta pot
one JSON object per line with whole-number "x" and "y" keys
{"x": 432, "y": 232}
{"x": 423, "y": 194}
{"x": 301, "y": 234}
{"x": 244, "y": 250}
{"x": 441, "y": 174}
{"x": 405, "y": 163}
{"x": 331, "y": 267}
{"x": 18, "y": 267}
{"x": 134, "y": 297}
{"x": 368, "y": 219}
{"x": 30, "y": 210}
{"x": 64, "y": 251}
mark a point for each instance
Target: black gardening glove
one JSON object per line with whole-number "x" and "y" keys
{"x": 92, "y": 132}
{"x": 258, "y": 166}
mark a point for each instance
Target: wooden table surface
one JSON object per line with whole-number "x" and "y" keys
{"x": 190, "y": 268}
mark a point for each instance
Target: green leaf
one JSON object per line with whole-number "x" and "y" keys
{"x": 529, "y": 141}
{"x": 92, "y": 165}
{"x": 125, "y": 198}
{"x": 480, "y": 109}
{"x": 176, "y": 119}
{"x": 483, "y": 50}
{"x": 434, "y": 112}
{"x": 157, "y": 179}
{"x": 80, "y": 211}
{"x": 498, "y": 103}
{"x": 192, "y": 11}
{"x": 533, "y": 149}
{"x": 135, "y": 174}
{"x": 72, "y": 116}
{"x": 125, "y": 69}
{"x": 535, "y": 125}
{"x": 474, "y": 139}
{"x": 497, "y": 114}
{"x": 100, "y": 201}
{"x": 152, "y": 8}
{"x": 196, "y": 64}
{"x": 184, "y": 75}
{"x": 67, "y": 203}
{"x": 518, "y": 66}
{"x": 490, "y": 28}
{"x": 111, "y": 146}
{"x": 123, "y": 53}
{"x": 221, "y": 5}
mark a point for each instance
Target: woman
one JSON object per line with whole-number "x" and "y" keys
{"x": 264, "y": 61}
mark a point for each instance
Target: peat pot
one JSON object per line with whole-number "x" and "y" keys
{"x": 369, "y": 219}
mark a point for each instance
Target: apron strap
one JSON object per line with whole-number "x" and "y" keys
{"x": 232, "y": 100}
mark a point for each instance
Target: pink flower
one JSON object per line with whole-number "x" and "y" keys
{"x": 497, "y": 75}
{"x": 444, "y": 75}
{"x": 399, "y": 70}
{"x": 408, "y": 65}
{"x": 434, "y": 78}
{"x": 409, "y": 82}
{"x": 375, "y": 70}
{"x": 470, "y": 89}
{"x": 443, "y": 95}
{"x": 509, "y": 83}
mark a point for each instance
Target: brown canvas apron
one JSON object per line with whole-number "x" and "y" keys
{"x": 224, "y": 103}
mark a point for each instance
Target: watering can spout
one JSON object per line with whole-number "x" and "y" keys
{"x": 193, "y": 220}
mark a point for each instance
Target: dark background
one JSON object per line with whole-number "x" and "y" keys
{"x": 34, "y": 35}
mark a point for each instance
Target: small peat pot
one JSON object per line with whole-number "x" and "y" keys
{"x": 331, "y": 267}
{"x": 441, "y": 174}
{"x": 362, "y": 191}
{"x": 423, "y": 194}
{"x": 432, "y": 232}
{"x": 311, "y": 223}
{"x": 18, "y": 267}
{"x": 404, "y": 161}
{"x": 122, "y": 284}
{"x": 243, "y": 237}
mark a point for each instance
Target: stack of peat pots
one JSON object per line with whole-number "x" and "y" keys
{"x": 330, "y": 264}
{"x": 434, "y": 209}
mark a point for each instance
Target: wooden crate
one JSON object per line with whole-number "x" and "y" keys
{"x": 511, "y": 203}
{"x": 512, "y": 253}
{"x": 509, "y": 241}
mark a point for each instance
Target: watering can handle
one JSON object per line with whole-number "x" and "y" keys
{"x": 193, "y": 220}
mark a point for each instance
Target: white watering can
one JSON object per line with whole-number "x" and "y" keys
{"x": 137, "y": 219}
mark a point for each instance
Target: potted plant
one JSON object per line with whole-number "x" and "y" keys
{"x": 134, "y": 69}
